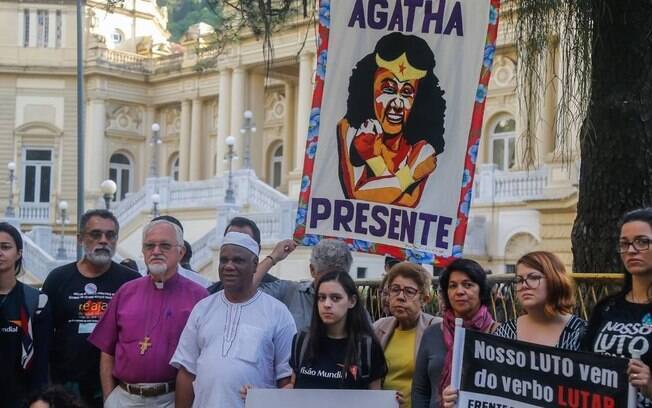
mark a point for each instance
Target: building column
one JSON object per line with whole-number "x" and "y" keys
{"x": 288, "y": 134}
{"x": 546, "y": 127}
{"x": 257, "y": 107}
{"x": 194, "y": 172}
{"x": 94, "y": 147}
{"x": 238, "y": 94}
{"x": 184, "y": 141}
{"x": 223, "y": 119}
{"x": 147, "y": 152}
{"x": 306, "y": 69}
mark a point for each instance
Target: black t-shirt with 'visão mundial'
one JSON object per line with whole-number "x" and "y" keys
{"x": 327, "y": 372}
{"x": 78, "y": 303}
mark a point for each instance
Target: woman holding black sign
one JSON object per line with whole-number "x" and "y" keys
{"x": 466, "y": 293}
{"x": 340, "y": 350}
{"x": 621, "y": 325}
{"x": 547, "y": 294}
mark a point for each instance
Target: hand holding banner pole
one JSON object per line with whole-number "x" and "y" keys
{"x": 458, "y": 347}
{"x": 632, "y": 392}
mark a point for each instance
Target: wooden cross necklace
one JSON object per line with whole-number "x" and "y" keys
{"x": 146, "y": 342}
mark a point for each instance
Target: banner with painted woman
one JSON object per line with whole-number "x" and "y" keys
{"x": 395, "y": 124}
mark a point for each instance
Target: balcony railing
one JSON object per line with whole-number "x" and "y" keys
{"x": 492, "y": 185}
{"x": 34, "y": 213}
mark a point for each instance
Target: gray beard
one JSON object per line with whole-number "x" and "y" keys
{"x": 99, "y": 259}
{"x": 157, "y": 269}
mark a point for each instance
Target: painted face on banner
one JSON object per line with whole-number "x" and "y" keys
{"x": 393, "y": 100}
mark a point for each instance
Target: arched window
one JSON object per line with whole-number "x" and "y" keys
{"x": 503, "y": 138}
{"x": 120, "y": 171}
{"x": 275, "y": 167}
{"x": 174, "y": 167}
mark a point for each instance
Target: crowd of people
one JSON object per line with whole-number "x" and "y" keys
{"x": 100, "y": 333}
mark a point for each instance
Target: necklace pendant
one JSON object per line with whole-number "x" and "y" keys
{"x": 144, "y": 345}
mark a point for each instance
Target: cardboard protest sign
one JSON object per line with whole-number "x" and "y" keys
{"x": 395, "y": 124}
{"x": 265, "y": 398}
{"x": 509, "y": 373}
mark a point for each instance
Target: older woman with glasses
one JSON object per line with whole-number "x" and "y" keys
{"x": 621, "y": 325}
{"x": 547, "y": 294}
{"x": 409, "y": 288}
{"x": 466, "y": 295}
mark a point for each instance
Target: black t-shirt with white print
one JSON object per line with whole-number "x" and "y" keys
{"x": 327, "y": 371}
{"x": 623, "y": 329}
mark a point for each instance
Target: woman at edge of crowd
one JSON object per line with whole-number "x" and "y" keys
{"x": 631, "y": 307}
{"x": 340, "y": 340}
{"x": 21, "y": 306}
{"x": 401, "y": 334}
{"x": 547, "y": 295}
{"x": 467, "y": 295}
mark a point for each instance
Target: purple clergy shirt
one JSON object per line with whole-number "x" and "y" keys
{"x": 137, "y": 310}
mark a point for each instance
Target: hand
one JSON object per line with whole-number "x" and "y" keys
{"x": 399, "y": 398}
{"x": 639, "y": 376}
{"x": 282, "y": 249}
{"x": 244, "y": 389}
{"x": 424, "y": 168}
{"x": 368, "y": 139}
{"x": 449, "y": 397}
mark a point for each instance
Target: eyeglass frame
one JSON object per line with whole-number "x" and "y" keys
{"x": 96, "y": 234}
{"x": 519, "y": 281}
{"x": 633, "y": 244}
{"x": 149, "y": 247}
{"x": 395, "y": 290}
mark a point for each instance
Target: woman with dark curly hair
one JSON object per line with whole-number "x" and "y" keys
{"x": 393, "y": 129}
{"x": 54, "y": 397}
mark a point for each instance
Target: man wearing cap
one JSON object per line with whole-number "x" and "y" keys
{"x": 141, "y": 327}
{"x": 281, "y": 250}
{"x": 235, "y": 337}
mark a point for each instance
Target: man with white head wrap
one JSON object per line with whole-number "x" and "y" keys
{"x": 235, "y": 337}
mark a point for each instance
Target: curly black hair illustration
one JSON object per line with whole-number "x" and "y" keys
{"x": 426, "y": 120}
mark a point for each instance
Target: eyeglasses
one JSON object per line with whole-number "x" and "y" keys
{"x": 640, "y": 244}
{"x": 532, "y": 281}
{"x": 162, "y": 246}
{"x": 408, "y": 292}
{"x": 96, "y": 235}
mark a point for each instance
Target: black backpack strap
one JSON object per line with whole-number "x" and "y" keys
{"x": 300, "y": 348}
{"x": 364, "y": 356}
{"x": 35, "y": 301}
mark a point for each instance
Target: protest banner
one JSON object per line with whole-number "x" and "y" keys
{"x": 395, "y": 125}
{"x": 265, "y": 398}
{"x": 491, "y": 371}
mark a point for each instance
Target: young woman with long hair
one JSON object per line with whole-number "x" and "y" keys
{"x": 621, "y": 324}
{"x": 339, "y": 351}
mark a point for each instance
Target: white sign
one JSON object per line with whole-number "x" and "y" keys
{"x": 266, "y": 398}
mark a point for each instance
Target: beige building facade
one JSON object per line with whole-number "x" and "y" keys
{"x": 136, "y": 80}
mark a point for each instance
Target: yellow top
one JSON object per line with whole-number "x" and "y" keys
{"x": 399, "y": 354}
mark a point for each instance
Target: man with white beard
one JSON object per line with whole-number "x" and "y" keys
{"x": 79, "y": 293}
{"x": 140, "y": 329}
